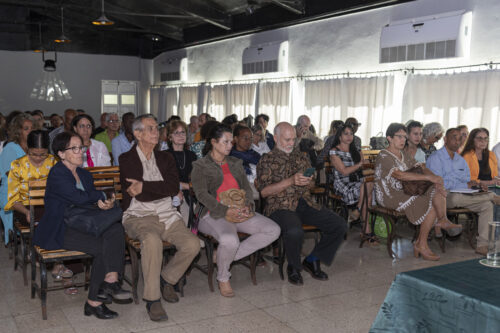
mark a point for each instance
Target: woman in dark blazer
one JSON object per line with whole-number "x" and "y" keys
{"x": 68, "y": 184}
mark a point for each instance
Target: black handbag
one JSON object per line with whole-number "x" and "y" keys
{"x": 379, "y": 141}
{"x": 91, "y": 219}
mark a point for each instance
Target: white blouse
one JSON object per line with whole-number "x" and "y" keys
{"x": 99, "y": 154}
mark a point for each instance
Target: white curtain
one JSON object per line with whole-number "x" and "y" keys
{"x": 171, "y": 103}
{"x": 188, "y": 103}
{"x": 470, "y": 98}
{"x": 242, "y": 99}
{"x": 369, "y": 100}
{"x": 274, "y": 100}
{"x": 154, "y": 100}
{"x": 215, "y": 101}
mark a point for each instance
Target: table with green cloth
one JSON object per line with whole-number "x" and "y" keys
{"x": 459, "y": 297}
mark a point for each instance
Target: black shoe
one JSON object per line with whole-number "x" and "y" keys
{"x": 101, "y": 311}
{"x": 294, "y": 276}
{"x": 114, "y": 292}
{"x": 314, "y": 268}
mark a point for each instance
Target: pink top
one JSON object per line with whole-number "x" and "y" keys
{"x": 229, "y": 182}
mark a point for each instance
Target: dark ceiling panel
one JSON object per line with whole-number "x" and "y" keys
{"x": 146, "y": 28}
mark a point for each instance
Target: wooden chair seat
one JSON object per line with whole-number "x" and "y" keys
{"x": 23, "y": 228}
{"x": 57, "y": 255}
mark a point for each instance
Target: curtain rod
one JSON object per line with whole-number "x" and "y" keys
{"x": 406, "y": 70}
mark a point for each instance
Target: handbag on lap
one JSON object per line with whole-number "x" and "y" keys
{"x": 234, "y": 198}
{"x": 416, "y": 187}
{"x": 91, "y": 219}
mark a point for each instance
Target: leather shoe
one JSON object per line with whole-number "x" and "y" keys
{"x": 100, "y": 311}
{"x": 314, "y": 268}
{"x": 294, "y": 276}
{"x": 168, "y": 291}
{"x": 114, "y": 292}
{"x": 156, "y": 311}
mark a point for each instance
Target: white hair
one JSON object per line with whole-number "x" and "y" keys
{"x": 138, "y": 125}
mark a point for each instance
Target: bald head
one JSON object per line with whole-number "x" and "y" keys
{"x": 284, "y": 136}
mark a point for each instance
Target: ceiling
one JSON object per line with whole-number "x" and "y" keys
{"x": 146, "y": 28}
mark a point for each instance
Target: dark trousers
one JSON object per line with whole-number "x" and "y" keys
{"x": 332, "y": 226}
{"x": 108, "y": 251}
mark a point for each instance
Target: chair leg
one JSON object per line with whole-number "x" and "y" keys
{"x": 33, "y": 273}
{"x": 134, "y": 267}
{"x": 253, "y": 266}
{"x": 43, "y": 289}
{"x": 11, "y": 244}
{"x": 281, "y": 257}
{"x": 209, "y": 247}
{"x": 390, "y": 235}
{"x": 14, "y": 247}
{"x": 24, "y": 260}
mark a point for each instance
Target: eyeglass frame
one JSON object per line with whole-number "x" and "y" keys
{"x": 79, "y": 149}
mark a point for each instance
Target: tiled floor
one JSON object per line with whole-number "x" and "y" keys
{"x": 347, "y": 302}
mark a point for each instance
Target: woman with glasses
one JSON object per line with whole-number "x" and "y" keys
{"x": 483, "y": 164}
{"x": 18, "y": 130}
{"x": 184, "y": 158}
{"x": 69, "y": 184}
{"x": 431, "y": 133}
{"x": 96, "y": 154}
{"x": 348, "y": 179}
{"x": 391, "y": 169}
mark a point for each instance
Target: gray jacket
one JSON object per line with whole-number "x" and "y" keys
{"x": 207, "y": 177}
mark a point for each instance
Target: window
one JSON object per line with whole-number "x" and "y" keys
{"x": 119, "y": 97}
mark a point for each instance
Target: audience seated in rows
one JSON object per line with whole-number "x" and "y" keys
{"x": 212, "y": 175}
{"x": 431, "y": 133}
{"x": 202, "y": 119}
{"x": 263, "y": 120}
{"x": 69, "y": 114}
{"x": 453, "y": 168}
{"x": 150, "y": 179}
{"x": 353, "y": 122}
{"x": 259, "y": 143}
{"x": 391, "y": 169}
{"x": 102, "y": 126}
{"x": 193, "y": 128}
{"x": 198, "y": 146}
{"x": 281, "y": 182}
{"x": 412, "y": 148}
{"x": 69, "y": 184}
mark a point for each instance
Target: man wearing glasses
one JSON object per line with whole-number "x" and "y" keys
{"x": 150, "y": 180}
{"x": 111, "y": 132}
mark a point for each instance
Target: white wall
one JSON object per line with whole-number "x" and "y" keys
{"x": 82, "y": 74}
{"x": 347, "y": 43}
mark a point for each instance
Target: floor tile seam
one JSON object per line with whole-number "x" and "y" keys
{"x": 225, "y": 315}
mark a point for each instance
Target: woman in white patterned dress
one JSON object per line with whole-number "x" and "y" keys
{"x": 390, "y": 170}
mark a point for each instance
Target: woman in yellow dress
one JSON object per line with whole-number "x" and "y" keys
{"x": 35, "y": 165}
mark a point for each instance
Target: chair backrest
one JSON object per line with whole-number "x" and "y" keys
{"x": 36, "y": 195}
{"x": 106, "y": 179}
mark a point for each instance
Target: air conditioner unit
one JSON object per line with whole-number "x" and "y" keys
{"x": 266, "y": 58}
{"x": 446, "y": 35}
{"x": 174, "y": 70}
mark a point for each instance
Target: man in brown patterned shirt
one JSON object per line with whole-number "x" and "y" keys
{"x": 281, "y": 181}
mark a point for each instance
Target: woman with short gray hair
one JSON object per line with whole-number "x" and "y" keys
{"x": 431, "y": 133}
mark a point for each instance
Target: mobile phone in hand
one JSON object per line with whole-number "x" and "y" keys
{"x": 309, "y": 172}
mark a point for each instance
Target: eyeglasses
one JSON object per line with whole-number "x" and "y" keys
{"x": 400, "y": 136}
{"x": 78, "y": 149}
{"x": 482, "y": 139}
{"x": 181, "y": 133}
{"x": 44, "y": 155}
{"x": 82, "y": 126}
{"x": 113, "y": 121}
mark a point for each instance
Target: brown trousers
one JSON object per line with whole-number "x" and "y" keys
{"x": 151, "y": 232}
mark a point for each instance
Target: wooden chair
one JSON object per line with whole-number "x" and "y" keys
{"x": 391, "y": 217}
{"x": 470, "y": 227}
{"x": 44, "y": 257}
{"x": 211, "y": 243}
{"x": 20, "y": 238}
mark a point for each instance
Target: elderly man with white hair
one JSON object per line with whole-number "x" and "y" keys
{"x": 303, "y": 128}
{"x": 149, "y": 178}
{"x": 283, "y": 179}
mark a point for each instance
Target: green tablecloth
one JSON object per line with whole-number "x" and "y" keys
{"x": 459, "y": 297}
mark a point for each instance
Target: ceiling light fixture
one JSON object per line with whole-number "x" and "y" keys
{"x": 102, "y": 20}
{"x": 49, "y": 65}
{"x": 39, "y": 48}
{"x": 62, "y": 38}
{"x": 50, "y": 86}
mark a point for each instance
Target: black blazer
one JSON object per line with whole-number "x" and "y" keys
{"x": 60, "y": 192}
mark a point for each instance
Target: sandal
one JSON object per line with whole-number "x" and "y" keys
{"x": 63, "y": 273}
